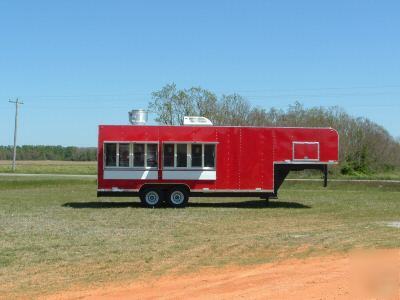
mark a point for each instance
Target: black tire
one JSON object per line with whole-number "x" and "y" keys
{"x": 151, "y": 197}
{"x": 178, "y": 197}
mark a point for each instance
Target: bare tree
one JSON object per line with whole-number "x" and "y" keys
{"x": 232, "y": 110}
{"x": 162, "y": 104}
{"x": 171, "y": 104}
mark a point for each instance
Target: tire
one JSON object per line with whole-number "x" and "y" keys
{"x": 178, "y": 197}
{"x": 151, "y": 197}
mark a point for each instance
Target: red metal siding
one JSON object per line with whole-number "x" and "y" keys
{"x": 245, "y": 156}
{"x": 327, "y": 137}
{"x": 255, "y": 168}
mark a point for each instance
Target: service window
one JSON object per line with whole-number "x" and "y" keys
{"x": 168, "y": 155}
{"x": 110, "y": 150}
{"x": 209, "y": 155}
{"x": 305, "y": 151}
{"x": 123, "y": 155}
{"x": 151, "y": 156}
{"x": 181, "y": 155}
{"x": 196, "y": 155}
{"x": 138, "y": 155}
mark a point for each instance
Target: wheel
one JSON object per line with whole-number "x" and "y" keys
{"x": 151, "y": 197}
{"x": 178, "y": 197}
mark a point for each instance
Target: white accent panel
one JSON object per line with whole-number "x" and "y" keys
{"x": 130, "y": 174}
{"x": 190, "y": 174}
{"x": 194, "y": 120}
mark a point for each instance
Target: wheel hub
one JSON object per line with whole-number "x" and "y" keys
{"x": 152, "y": 198}
{"x": 177, "y": 197}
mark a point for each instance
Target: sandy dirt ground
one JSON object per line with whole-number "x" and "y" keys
{"x": 359, "y": 275}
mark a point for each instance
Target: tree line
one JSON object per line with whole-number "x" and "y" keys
{"x": 365, "y": 147}
{"x": 39, "y": 152}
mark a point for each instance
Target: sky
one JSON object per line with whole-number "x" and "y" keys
{"x": 78, "y": 64}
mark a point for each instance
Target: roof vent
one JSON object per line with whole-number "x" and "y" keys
{"x": 138, "y": 116}
{"x": 198, "y": 121}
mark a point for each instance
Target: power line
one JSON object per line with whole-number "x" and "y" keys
{"x": 17, "y": 103}
{"x": 262, "y": 92}
{"x": 365, "y": 87}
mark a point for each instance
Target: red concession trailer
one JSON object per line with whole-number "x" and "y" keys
{"x": 171, "y": 163}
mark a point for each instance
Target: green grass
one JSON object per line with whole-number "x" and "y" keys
{"x": 51, "y": 167}
{"x": 312, "y": 174}
{"x": 388, "y": 175}
{"x": 56, "y": 235}
{"x": 90, "y": 168}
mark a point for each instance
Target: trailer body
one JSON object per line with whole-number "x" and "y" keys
{"x": 208, "y": 160}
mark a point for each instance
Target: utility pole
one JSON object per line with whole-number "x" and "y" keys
{"x": 17, "y": 103}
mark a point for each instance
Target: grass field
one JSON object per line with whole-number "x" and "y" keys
{"x": 56, "y": 235}
{"x": 388, "y": 175}
{"x": 90, "y": 168}
{"x": 50, "y": 167}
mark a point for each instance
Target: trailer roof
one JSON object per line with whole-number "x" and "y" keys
{"x": 216, "y": 126}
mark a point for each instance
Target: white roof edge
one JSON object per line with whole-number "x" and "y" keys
{"x": 237, "y": 126}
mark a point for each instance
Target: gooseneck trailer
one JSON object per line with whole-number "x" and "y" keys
{"x": 171, "y": 163}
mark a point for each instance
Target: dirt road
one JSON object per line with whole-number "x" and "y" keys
{"x": 366, "y": 275}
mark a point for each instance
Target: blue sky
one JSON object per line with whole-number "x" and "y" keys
{"x": 77, "y": 64}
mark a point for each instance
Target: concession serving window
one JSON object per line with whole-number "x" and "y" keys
{"x": 130, "y": 160}
{"x": 180, "y": 160}
{"x": 189, "y": 155}
{"x": 188, "y": 160}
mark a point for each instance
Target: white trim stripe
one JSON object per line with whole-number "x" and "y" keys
{"x": 189, "y": 174}
{"x": 131, "y": 174}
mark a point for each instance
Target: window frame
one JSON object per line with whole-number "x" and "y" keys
{"x": 146, "y": 154}
{"x": 189, "y": 155}
{"x": 176, "y": 156}
{"x": 118, "y": 156}
{"x": 131, "y": 155}
{"x": 105, "y": 152}
{"x": 201, "y": 156}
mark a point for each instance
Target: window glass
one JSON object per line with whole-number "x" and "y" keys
{"x": 138, "y": 155}
{"x": 181, "y": 155}
{"x": 151, "y": 155}
{"x": 168, "y": 155}
{"x": 209, "y": 156}
{"x": 111, "y": 154}
{"x": 124, "y": 155}
{"x": 196, "y": 155}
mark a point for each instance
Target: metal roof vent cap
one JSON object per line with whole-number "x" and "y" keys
{"x": 197, "y": 121}
{"x": 138, "y": 116}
